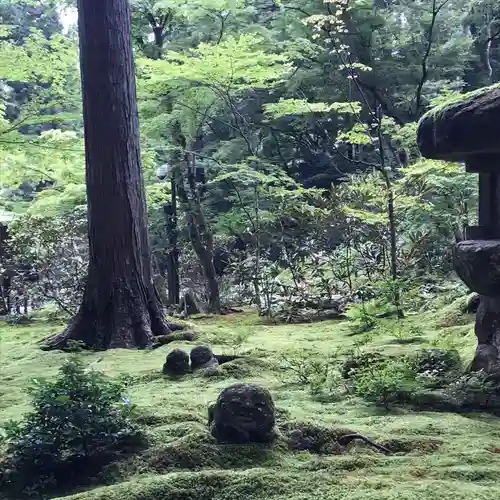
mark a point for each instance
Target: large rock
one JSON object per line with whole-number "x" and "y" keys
{"x": 177, "y": 363}
{"x": 243, "y": 413}
{"x": 202, "y": 358}
{"x": 462, "y": 128}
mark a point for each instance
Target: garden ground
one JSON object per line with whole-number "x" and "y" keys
{"x": 439, "y": 455}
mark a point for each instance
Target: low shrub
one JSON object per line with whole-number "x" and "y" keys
{"x": 79, "y": 423}
{"x": 406, "y": 334}
{"x": 435, "y": 362}
{"x": 363, "y": 316}
{"x": 321, "y": 376}
{"x": 356, "y": 363}
{"x": 385, "y": 382}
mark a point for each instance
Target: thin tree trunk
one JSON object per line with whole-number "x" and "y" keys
{"x": 120, "y": 306}
{"x": 391, "y": 215}
{"x": 256, "y": 280}
{"x": 393, "y": 237}
{"x": 199, "y": 233}
{"x": 205, "y": 255}
{"x": 487, "y": 56}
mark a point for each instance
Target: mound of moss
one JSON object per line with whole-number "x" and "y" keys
{"x": 200, "y": 450}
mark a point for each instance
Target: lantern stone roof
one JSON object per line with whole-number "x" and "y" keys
{"x": 463, "y": 127}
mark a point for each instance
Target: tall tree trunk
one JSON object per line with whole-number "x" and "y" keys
{"x": 120, "y": 306}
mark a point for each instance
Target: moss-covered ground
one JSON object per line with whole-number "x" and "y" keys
{"x": 441, "y": 455}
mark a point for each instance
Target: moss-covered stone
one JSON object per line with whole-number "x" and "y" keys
{"x": 308, "y": 436}
{"x": 462, "y": 127}
{"x": 244, "y": 413}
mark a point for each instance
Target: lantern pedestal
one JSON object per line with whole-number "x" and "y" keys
{"x": 477, "y": 263}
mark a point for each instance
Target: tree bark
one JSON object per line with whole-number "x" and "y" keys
{"x": 199, "y": 234}
{"x": 170, "y": 212}
{"x": 120, "y": 307}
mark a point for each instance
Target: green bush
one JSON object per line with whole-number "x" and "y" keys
{"x": 356, "y": 363}
{"x": 79, "y": 423}
{"x": 363, "y": 316}
{"x": 435, "y": 362}
{"x": 321, "y": 376}
{"x": 385, "y": 382}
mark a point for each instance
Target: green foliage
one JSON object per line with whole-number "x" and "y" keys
{"x": 53, "y": 249}
{"x": 363, "y": 316}
{"x": 435, "y": 362}
{"x": 385, "y": 382}
{"x": 360, "y": 362}
{"x": 320, "y": 376}
{"x": 286, "y": 107}
{"x": 79, "y": 423}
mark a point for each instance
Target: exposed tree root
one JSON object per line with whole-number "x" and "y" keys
{"x": 345, "y": 440}
{"x": 226, "y": 358}
{"x": 173, "y": 337}
{"x": 123, "y": 318}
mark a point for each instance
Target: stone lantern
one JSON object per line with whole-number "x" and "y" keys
{"x": 468, "y": 131}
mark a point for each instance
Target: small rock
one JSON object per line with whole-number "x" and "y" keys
{"x": 243, "y": 413}
{"x": 307, "y": 436}
{"x": 202, "y": 357}
{"x": 177, "y": 363}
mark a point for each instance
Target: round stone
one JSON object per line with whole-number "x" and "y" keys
{"x": 203, "y": 357}
{"x": 243, "y": 413}
{"x": 177, "y": 363}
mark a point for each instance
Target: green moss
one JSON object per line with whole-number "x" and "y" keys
{"x": 436, "y": 453}
{"x": 456, "y": 98}
{"x": 415, "y": 445}
{"x": 455, "y": 314}
{"x": 260, "y": 484}
{"x": 199, "y": 450}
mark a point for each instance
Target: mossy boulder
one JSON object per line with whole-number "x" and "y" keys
{"x": 243, "y": 413}
{"x": 314, "y": 438}
{"x": 203, "y": 358}
{"x": 177, "y": 363}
